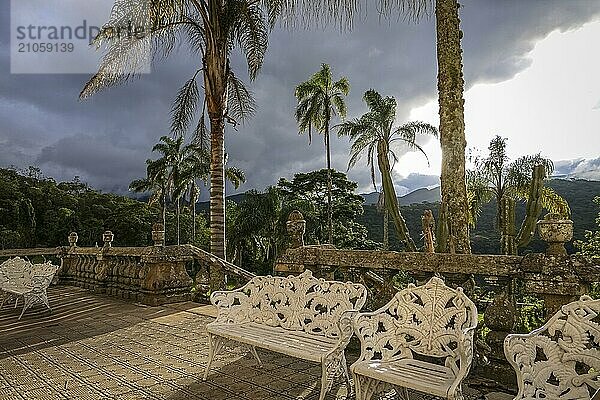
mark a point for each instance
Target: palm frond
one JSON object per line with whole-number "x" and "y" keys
{"x": 127, "y": 56}
{"x": 184, "y": 106}
{"x": 339, "y": 105}
{"x": 235, "y": 175}
{"x": 241, "y": 104}
{"x": 250, "y": 32}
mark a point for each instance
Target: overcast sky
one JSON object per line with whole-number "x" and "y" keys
{"x": 531, "y": 71}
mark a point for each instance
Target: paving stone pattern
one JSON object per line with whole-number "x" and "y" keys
{"x": 95, "y": 347}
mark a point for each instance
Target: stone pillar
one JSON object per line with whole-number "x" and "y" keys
{"x": 164, "y": 280}
{"x": 556, "y": 232}
{"x": 500, "y": 317}
{"x": 158, "y": 234}
{"x": 107, "y": 238}
{"x": 296, "y": 226}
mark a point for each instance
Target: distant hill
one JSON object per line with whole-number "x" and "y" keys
{"x": 205, "y": 205}
{"x": 422, "y": 195}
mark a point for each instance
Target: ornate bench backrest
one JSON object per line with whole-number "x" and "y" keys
{"x": 560, "y": 360}
{"x": 16, "y": 271}
{"x": 302, "y": 302}
{"x": 428, "y": 320}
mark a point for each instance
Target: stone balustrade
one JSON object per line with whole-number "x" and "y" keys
{"x": 152, "y": 275}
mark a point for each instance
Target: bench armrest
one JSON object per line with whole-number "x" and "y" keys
{"x": 465, "y": 343}
{"x": 233, "y": 306}
{"x": 346, "y": 331}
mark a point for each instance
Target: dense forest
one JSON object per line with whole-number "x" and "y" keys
{"x": 39, "y": 212}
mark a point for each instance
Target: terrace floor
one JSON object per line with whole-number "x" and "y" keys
{"x": 96, "y": 347}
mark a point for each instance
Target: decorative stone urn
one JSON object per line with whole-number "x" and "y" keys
{"x": 108, "y": 237}
{"x": 556, "y": 232}
{"x": 296, "y": 226}
{"x": 158, "y": 234}
{"x": 73, "y": 237}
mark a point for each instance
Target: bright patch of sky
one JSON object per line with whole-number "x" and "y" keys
{"x": 552, "y": 107}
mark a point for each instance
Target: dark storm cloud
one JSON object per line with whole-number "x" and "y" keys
{"x": 106, "y": 139}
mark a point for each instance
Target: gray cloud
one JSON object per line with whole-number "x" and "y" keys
{"x": 106, "y": 139}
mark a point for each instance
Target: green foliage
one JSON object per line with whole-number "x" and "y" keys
{"x": 319, "y": 99}
{"x": 307, "y": 192}
{"x": 253, "y": 232}
{"x": 58, "y": 209}
{"x": 590, "y": 247}
{"x": 496, "y": 177}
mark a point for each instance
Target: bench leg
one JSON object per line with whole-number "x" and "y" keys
{"x": 215, "y": 343}
{"x": 333, "y": 365}
{"x": 255, "y": 354}
{"x": 5, "y": 297}
{"x": 402, "y": 393}
{"x": 456, "y": 395}
{"x": 28, "y": 301}
{"x": 366, "y": 387}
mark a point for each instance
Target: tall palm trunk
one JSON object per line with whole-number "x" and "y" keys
{"x": 452, "y": 127}
{"x": 391, "y": 201}
{"x": 193, "y": 204}
{"x": 386, "y": 229}
{"x": 215, "y": 85}
{"x": 164, "y": 210}
{"x": 329, "y": 184}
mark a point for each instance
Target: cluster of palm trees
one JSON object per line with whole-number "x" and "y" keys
{"x": 214, "y": 28}
{"x": 321, "y": 97}
{"x": 177, "y": 176}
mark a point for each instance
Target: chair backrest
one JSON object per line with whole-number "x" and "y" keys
{"x": 303, "y": 302}
{"x": 16, "y": 271}
{"x": 427, "y": 320}
{"x": 560, "y": 360}
{"x": 42, "y": 274}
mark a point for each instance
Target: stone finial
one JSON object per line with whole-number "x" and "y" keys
{"x": 428, "y": 227}
{"x": 73, "y": 237}
{"x": 556, "y": 232}
{"x": 158, "y": 234}
{"x": 108, "y": 237}
{"x": 296, "y": 226}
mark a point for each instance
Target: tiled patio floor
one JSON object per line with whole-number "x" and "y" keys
{"x": 95, "y": 347}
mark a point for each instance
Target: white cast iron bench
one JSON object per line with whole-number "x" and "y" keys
{"x": 21, "y": 279}
{"x": 421, "y": 340}
{"x": 299, "y": 316}
{"x": 560, "y": 360}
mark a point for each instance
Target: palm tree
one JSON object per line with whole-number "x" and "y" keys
{"x": 195, "y": 165}
{"x": 496, "y": 177}
{"x": 319, "y": 99}
{"x": 254, "y": 228}
{"x": 156, "y": 183}
{"x": 212, "y": 29}
{"x": 374, "y": 134}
